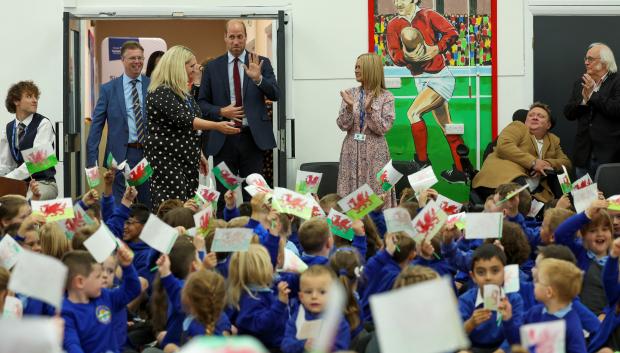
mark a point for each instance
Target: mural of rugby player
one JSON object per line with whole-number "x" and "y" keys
{"x": 417, "y": 39}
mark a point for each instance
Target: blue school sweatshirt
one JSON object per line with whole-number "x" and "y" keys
{"x": 532, "y": 235}
{"x": 192, "y": 328}
{"x": 269, "y": 241}
{"x": 612, "y": 319}
{"x": 290, "y": 343}
{"x": 379, "y": 220}
{"x": 35, "y": 307}
{"x": 174, "y": 324}
{"x": 311, "y": 260}
{"x": 489, "y": 334}
{"x": 88, "y": 327}
{"x": 380, "y": 272}
{"x": 222, "y": 267}
{"x": 263, "y": 316}
{"x": 107, "y": 207}
{"x": 229, "y": 214}
{"x": 294, "y": 238}
{"x": 574, "y": 341}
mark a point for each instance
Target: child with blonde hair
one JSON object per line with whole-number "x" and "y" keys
{"x": 258, "y": 310}
{"x": 54, "y": 242}
{"x": 315, "y": 284}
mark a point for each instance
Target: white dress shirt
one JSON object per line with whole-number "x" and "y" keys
{"x": 8, "y": 167}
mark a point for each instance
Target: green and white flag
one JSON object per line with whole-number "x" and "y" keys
{"x": 54, "y": 210}
{"x": 360, "y": 202}
{"x": 38, "y": 159}
{"x": 92, "y": 176}
{"x": 388, "y": 176}
{"x": 291, "y": 202}
{"x": 226, "y": 177}
{"x": 308, "y": 182}
{"x": 564, "y": 180}
{"x": 340, "y": 224}
{"x": 140, "y": 173}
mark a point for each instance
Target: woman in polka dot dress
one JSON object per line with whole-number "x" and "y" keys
{"x": 172, "y": 145}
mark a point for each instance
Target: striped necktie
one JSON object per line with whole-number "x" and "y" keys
{"x": 137, "y": 111}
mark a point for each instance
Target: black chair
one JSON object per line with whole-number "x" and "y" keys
{"x": 329, "y": 181}
{"x": 608, "y": 178}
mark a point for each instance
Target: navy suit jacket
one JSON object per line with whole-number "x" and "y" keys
{"x": 215, "y": 94}
{"x": 111, "y": 108}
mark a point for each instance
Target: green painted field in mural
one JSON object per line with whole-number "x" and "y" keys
{"x": 462, "y": 110}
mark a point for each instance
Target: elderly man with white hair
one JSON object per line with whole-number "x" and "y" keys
{"x": 595, "y": 104}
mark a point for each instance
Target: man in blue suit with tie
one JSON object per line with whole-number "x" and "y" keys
{"x": 122, "y": 105}
{"x": 234, "y": 87}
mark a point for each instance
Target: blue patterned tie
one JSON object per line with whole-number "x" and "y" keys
{"x": 137, "y": 111}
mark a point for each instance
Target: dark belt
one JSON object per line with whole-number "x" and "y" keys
{"x": 136, "y": 145}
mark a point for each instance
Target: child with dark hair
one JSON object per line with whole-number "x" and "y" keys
{"x": 591, "y": 250}
{"x": 88, "y": 308}
{"x": 383, "y": 268}
{"x": 485, "y": 329}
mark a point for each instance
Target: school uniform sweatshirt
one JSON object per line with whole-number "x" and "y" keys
{"x": 380, "y": 272}
{"x": 574, "y": 341}
{"x": 174, "y": 325}
{"x": 489, "y": 334}
{"x": 612, "y": 319}
{"x": 290, "y": 343}
{"x": 88, "y": 327}
{"x": 263, "y": 316}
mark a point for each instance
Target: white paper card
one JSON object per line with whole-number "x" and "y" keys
{"x": 547, "y": 337}
{"x": 29, "y": 335}
{"x": 398, "y": 220}
{"x": 13, "y": 308}
{"x": 484, "y": 225}
{"x": 39, "y": 276}
{"x": 422, "y": 179}
{"x": 582, "y": 198}
{"x": 292, "y": 263}
{"x": 306, "y": 328}
{"x": 441, "y": 330}
{"x": 511, "y": 278}
{"x": 582, "y": 182}
{"x": 428, "y": 222}
{"x": 491, "y": 295}
{"x": 231, "y": 239}
{"x": 101, "y": 244}
{"x": 158, "y": 235}
{"x": 9, "y": 252}
{"x": 535, "y": 208}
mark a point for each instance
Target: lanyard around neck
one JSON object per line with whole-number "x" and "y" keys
{"x": 362, "y": 109}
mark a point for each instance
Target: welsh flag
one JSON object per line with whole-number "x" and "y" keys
{"x": 340, "y": 224}
{"x": 92, "y": 176}
{"x": 388, "y": 176}
{"x": 308, "y": 182}
{"x": 80, "y": 219}
{"x": 564, "y": 180}
{"x": 54, "y": 210}
{"x": 360, "y": 202}
{"x": 614, "y": 203}
{"x": 226, "y": 177}
{"x": 202, "y": 220}
{"x": 290, "y": 202}
{"x": 38, "y": 159}
{"x": 111, "y": 163}
{"x": 140, "y": 173}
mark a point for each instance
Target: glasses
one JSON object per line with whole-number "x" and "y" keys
{"x": 135, "y": 58}
{"x": 590, "y": 59}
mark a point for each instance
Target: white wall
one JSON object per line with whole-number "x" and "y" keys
{"x": 327, "y": 36}
{"x": 32, "y": 42}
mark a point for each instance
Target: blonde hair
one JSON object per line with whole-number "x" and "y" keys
{"x": 248, "y": 268}
{"x": 555, "y": 217}
{"x": 414, "y": 274}
{"x": 205, "y": 294}
{"x": 53, "y": 240}
{"x": 563, "y": 276}
{"x": 371, "y": 68}
{"x": 170, "y": 71}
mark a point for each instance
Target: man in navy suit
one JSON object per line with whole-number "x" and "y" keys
{"x": 122, "y": 105}
{"x": 234, "y": 87}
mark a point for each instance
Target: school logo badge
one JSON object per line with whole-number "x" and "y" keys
{"x": 104, "y": 315}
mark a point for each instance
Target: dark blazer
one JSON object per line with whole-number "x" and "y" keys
{"x": 598, "y": 122}
{"x": 111, "y": 108}
{"x": 215, "y": 94}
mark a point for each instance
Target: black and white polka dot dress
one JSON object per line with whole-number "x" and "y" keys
{"x": 172, "y": 146}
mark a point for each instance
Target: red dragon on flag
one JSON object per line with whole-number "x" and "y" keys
{"x": 312, "y": 180}
{"x": 75, "y": 223}
{"x": 384, "y": 177}
{"x": 53, "y": 209}
{"x": 137, "y": 172}
{"x": 583, "y": 184}
{"x": 230, "y": 179}
{"x": 359, "y": 202}
{"x": 341, "y": 223}
{"x": 37, "y": 157}
{"x": 428, "y": 221}
{"x": 296, "y": 203}
{"x": 204, "y": 221}
{"x": 449, "y": 208}
{"x": 208, "y": 195}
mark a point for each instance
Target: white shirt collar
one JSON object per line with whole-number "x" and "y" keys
{"x": 415, "y": 12}
{"x": 241, "y": 57}
{"x": 127, "y": 79}
{"x": 25, "y": 121}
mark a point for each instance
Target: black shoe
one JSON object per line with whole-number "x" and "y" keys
{"x": 454, "y": 175}
{"x": 418, "y": 165}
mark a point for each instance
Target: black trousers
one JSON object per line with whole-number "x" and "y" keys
{"x": 243, "y": 157}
